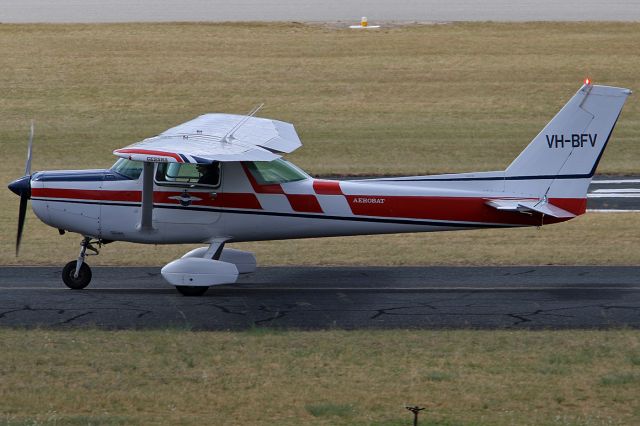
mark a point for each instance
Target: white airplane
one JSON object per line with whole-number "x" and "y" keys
{"x": 220, "y": 179}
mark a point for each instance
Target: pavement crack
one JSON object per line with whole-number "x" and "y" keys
{"x": 529, "y": 271}
{"x": 226, "y": 310}
{"x": 520, "y": 319}
{"x": 386, "y": 311}
{"x": 67, "y": 321}
{"x": 526, "y": 316}
{"x": 25, "y": 308}
{"x": 607, "y": 307}
{"x": 277, "y": 315}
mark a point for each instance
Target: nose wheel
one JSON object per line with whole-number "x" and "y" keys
{"x": 77, "y": 274}
{"x": 76, "y": 282}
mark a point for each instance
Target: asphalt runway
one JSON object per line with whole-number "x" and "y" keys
{"x": 547, "y": 297}
{"x": 614, "y": 193}
{"x": 378, "y": 11}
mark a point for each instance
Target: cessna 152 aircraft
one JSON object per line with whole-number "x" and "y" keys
{"x": 220, "y": 178}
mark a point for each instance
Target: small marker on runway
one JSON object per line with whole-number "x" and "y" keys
{"x": 364, "y": 24}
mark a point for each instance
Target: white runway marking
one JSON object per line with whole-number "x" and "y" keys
{"x": 611, "y": 211}
{"x": 617, "y": 191}
{"x": 613, "y": 195}
{"x": 613, "y": 182}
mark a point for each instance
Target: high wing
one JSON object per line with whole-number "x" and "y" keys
{"x": 217, "y": 137}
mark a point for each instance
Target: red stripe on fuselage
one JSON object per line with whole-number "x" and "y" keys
{"x": 460, "y": 209}
{"x": 240, "y": 201}
{"x": 230, "y": 200}
{"x": 151, "y": 152}
{"x": 576, "y": 206}
{"x": 307, "y": 203}
{"x": 88, "y": 194}
{"x": 327, "y": 187}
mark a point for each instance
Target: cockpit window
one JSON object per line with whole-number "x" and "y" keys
{"x": 129, "y": 168}
{"x": 188, "y": 174}
{"x": 276, "y": 171}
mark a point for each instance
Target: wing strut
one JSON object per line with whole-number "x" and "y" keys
{"x": 229, "y": 135}
{"x": 146, "y": 218}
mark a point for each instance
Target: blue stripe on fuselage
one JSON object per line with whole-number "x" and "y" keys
{"x": 79, "y": 176}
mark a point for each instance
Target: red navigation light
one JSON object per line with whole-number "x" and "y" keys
{"x": 587, "y": 81}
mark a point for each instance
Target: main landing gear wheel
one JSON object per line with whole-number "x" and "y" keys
{"x": 76, "y": 283}
{"x": 188, "y": 290}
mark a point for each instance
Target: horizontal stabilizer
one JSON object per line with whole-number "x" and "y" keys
{"x": 530, "y": 206}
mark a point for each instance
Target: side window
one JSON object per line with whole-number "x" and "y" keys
{"x": 276, "y": 171}
{"x": 181, "y": 174}
{"x": 129, "y": 168}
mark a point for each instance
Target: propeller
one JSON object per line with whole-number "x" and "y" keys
{"x": 22, "y": 187}
{"x": 27, "y": 167}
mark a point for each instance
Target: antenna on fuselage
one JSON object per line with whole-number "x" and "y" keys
{"x": 227, "y": 137}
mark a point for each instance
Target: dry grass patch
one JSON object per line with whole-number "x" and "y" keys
{"x": 327, "y": 377}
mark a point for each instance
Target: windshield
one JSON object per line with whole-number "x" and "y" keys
{"x": 276, "y": 171}
{"x": 129, "y": 168}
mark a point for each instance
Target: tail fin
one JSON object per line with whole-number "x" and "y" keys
{"x": 561, "y": 160}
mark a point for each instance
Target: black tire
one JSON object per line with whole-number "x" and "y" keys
{"x": 191, "y": 291}
{"x": 84, "y": 276}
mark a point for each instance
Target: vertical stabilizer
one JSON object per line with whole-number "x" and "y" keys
{"x": 561, "y": 160}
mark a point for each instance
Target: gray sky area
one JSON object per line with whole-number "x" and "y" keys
{"x": 20, "y": 11}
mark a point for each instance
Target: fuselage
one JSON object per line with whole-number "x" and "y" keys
{"x": 245, "y": 206}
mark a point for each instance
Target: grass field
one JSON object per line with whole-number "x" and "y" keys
{"x": 405, "y": 100}
{"x": 262, "y": 377}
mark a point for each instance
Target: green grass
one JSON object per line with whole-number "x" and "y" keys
{"x": 616, "y": 379}
{"x": 439, "y": 376}
{"x": 465, "y": 377}
{"x": 330, "y": 409}
{"x": 54, "y": 419}
{"x": 404, "y": 100}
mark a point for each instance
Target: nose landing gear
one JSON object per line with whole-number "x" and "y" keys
{"x": 77, "y": 274}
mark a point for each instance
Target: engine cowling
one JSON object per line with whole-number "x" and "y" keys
{"x": 196, "y": 271}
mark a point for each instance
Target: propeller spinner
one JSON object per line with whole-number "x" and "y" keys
{"x": 22, "y": 188}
